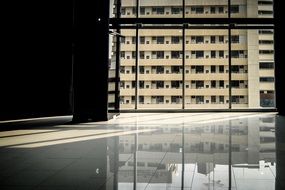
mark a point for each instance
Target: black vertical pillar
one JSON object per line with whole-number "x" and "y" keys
{"x": 90, "y": 79}
{"x": 279, "y": 40}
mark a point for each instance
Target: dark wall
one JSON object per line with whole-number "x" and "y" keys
{"x": 35, "y": 59}
{"x": 36, "y": 66}
{"x": 91, "y": 41}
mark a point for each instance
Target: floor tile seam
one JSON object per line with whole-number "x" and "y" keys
{"x": 58, "y": 171}
{"x": 107, "y": 180}
{"x": 159, "y": 163}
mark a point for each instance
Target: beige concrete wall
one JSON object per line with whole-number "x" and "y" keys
{"x": 253, "y": 69}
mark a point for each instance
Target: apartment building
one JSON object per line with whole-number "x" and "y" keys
{"x": 206, "y": 86}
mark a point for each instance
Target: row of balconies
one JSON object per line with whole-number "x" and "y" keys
{"x": 197, "y": 69}
{"x": 175, "y": 10}
{"x": 188, "y": 62}
{"x": 169, "y": 77}
{"x": 178, "y": 47}
{"x": 189, "y": 72}
{"x": 178, "y": 92}
{"x": 188, "y": 105}
{"x": 129, "y": 33}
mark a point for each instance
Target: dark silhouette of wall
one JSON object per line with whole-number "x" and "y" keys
{"x": 91, "y": 41}
{"x": 35, "y": 60}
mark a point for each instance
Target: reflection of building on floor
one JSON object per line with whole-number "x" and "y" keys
{"x": 253, "y": 140}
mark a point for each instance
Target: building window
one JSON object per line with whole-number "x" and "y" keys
{"x": 176, "y": 10}
{"x": 159, "y": 70}
{"x": 175, "y": 69}
{"x": 265, "y": 41}
{"x": 213, "y": 10}
{"x": 199, "y": 69}
{"x": 176, "y": 54}
{"x": 221, "y": 10}
{"x": 134, "y": 55}
{"x": 221, "y": 39}
{"x": 141, "y": 54}
{"x": 199, "y": 54}
{"x": 213, "y": 69}
{"x": 213, "y": 54}
{"x": 221, "y": 54}
{"x": 213, "y": 84}
{"x": 158, "y": 10}
{"x": 197, "y": 9}
{"x": 141, "y": 99}
{"x": 160, "y": 55}
{"x": 199, "y": 99}
{"x": 160, "y": 40}
{"x": 213, "y": 99}
{"x": 222, "y": 99}
{"x": 266, "y": 65}
{"x": 266, "y": 51}
{"x": 213, "y": 39}
{"x": 142, "y": 40}
{"x": 142, "y": 10}
{"x": 235, "y": 39}
{"x": 133, "y": 40}
{"x": 141, "y": 70}
{"x": 123, "y": 40}
{"x": 266, "y": 79}
{"x": 234, "y": 9}
{"x": 122, "y": 54}
{"x": 123, "y": 11}
{"x": 175, "y": 39}
{"x": 221, "y": 69}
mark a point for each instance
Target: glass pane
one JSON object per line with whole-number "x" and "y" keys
{"x": 160, "y": 69}
{"x": 206, "y": 69}
{"x": 252, "y": 9}
{"x": 253, "y": 69}
{"x": 112, "y": 72}
{"x": 162, "y": 8}
{"x": 206, "y": 9}
{"x": 127, "y": 69}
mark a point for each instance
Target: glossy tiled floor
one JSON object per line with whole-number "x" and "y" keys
{"x": 147, "y": 151}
